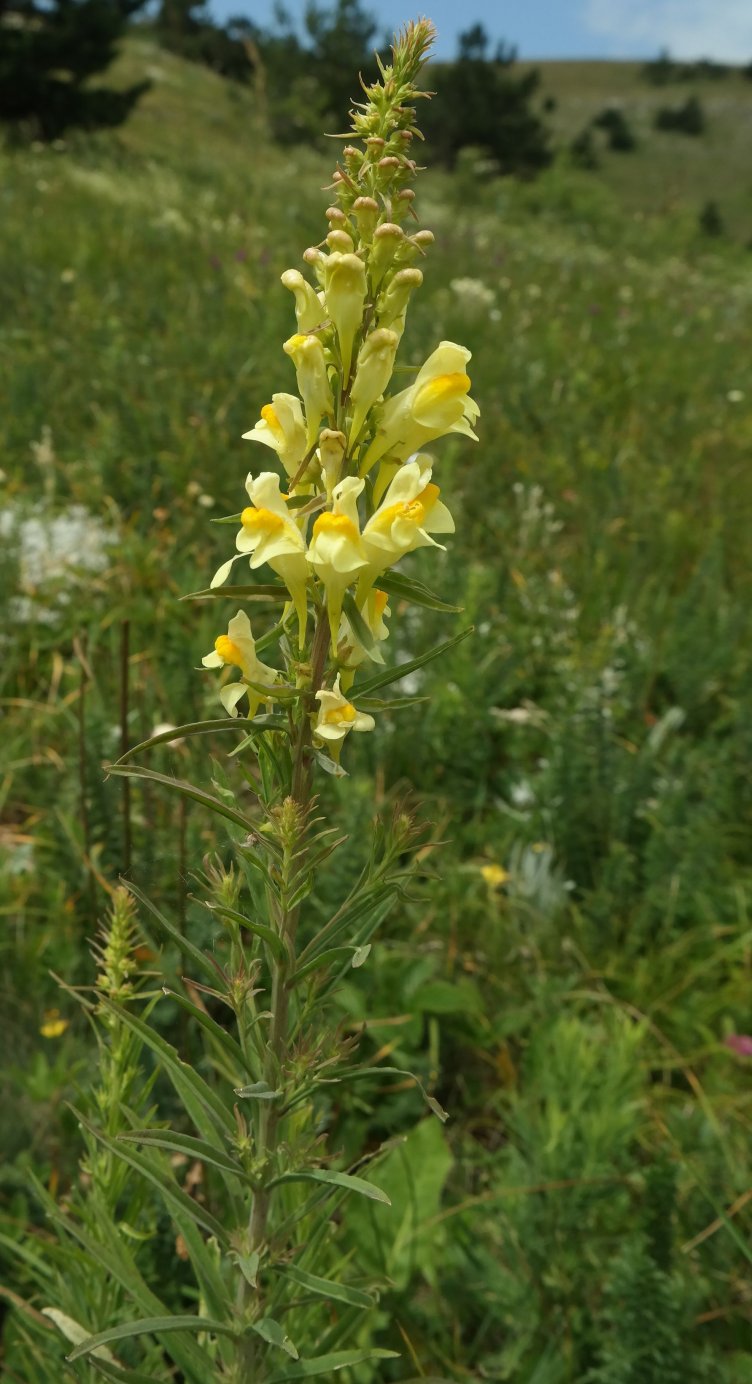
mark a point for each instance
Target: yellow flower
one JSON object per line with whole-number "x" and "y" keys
{"x": 309, "y": 310}
{"x": 331, "y": 451}
{"x": 374, "y": 371}
{"x": 53, "y": 1025}
{"x": 345, "y": 292}
{"x": 494, "y": 875}
{"x": 337, "y": 717}
{"x": 307, "y": 355}
{"x": 270, "y": 535}
{"x": 437, "y": 403}
{"x": 336, "y": 551}
{"x": 407, "y": 516}
{"x": 282, "y": 427}
{"x": 392, "y": 304}
{"x": 238, "y": 647}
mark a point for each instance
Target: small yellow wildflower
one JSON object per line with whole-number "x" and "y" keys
{"x": 53, "y": 1025}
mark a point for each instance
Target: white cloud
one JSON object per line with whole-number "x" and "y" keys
{"x": 720, "y": 29}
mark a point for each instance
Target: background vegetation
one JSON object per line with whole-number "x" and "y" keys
{"x": 582, "y": 1009}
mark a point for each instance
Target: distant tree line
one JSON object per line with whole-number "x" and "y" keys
{"x": 305, "y": 79}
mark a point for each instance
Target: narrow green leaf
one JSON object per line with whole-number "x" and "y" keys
{"x": 256, "y": 727}
{"x": 227, "y": 518}
{"x": 267, "y": 934}
{"x": 150, "y": 1326}
{"x": 157, "y": 1175}
{"x": 186, "y": 790}
{"x": 326, "y": 958}
{"x": 271, "y": 1331}
{"x": 327, "y": 1288}
{"x": 266, "y": 592}
{"x": 183, "y": 1143}
{"x": 358, "y": 1073}
{"x": 184, "y": 1077}
{"x": 410, "y": 589}
{"x": 389, "y": 703}
{"x": 186, "y": 947}
{"x": 260, "y": 1090}
{"x": 335, "y": 1179}
{"x": 328, "y": 765}
{"x": 224, "y": 1039}
{"x": 330, "y": 1364}
{"x": 166, "y": 737}
{"x": 402, "y": 669}
{"x": 248, "y": 1265}
{"x": 118, "y": 1376}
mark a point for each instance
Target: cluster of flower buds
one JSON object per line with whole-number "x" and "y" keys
{"x": 358, "y": 490}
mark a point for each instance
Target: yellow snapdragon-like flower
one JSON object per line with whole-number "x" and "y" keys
{"x": 238, "y": 647}
{"x": 282, "y": 427}
{"x": 437, "y": 403}
{"x": 337, "y": 717}
{"x": 345, "y": 291}
{"x": 269, "y": 534}
{"x": 336, "y": 551}
{"x": 309, "y": 310}
{"x": 307, "y": 355}
{"x": 409, "y": 513}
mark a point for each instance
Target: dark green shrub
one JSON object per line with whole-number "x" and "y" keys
{"x": 686, "y": 119}
{"x": 583, "y": 152}
{"x": 710, "y": 219}
{"x": 617, "y": 128}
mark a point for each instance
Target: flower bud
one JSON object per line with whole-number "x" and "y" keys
{"x": 394, "y": 301}
{"x": 335, "y": 216}
{"x": 375, "y": 366}
{"x": 423, "y": 239}
{"x": 307, "y": 354}
{"x": 345, "y": 288}
{"x": 316, "y": 259}
{"x": 340, "y": 242}
{"x": 331, "y": 451}
{"x": 367, "y": 211}
{"x": 387, "y": 239}
{"x": 308, "y": 310}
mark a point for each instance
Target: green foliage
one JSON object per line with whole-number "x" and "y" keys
{"x": 617, "y": 128}
{"x": 47, "y": 55}
{"x": 686, "y": 119}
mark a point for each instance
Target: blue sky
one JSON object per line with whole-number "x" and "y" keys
{"x": 566, "y": 28}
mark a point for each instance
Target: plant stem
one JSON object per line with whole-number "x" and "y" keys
{"x": 269, "y": 1119}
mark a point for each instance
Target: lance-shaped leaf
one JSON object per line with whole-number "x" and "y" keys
{"x": 259, "y": 1090}
{"x": 186, "y": 790}
{"x": 271, "y": 1331}
{"x": 183, "y": 1143}
{"x": 361, "y": 1073}
{"x": 195, "y": 1093}
{"x": 166, "y": 737}
{"x": 354, "y": 954}
{"x": 156, "y": 1174}
{"x": 329, "y": 1364}
{"x": 327, "y": 1175}
{"x": 224, "y": 1040}
{"x": 269, "y": 591}
{"x": 327, "y": 1288}
{"x": 267, "y": 934}
{"x": 360, "y": 629}
{"x": 406, "y": 588}
{"x": 389, "y": 675}
{"x": 150, "y": 1326}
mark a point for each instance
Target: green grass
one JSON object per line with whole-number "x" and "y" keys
{"x": 593, "y": 738}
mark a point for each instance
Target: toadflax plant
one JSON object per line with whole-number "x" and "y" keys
{"x": 349, "y": 494}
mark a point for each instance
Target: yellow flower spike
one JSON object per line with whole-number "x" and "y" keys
{"x": 282, "y": 427}
{"x": 331, "y": 452}
{"x": 494, "y": 876}
{"x": 337, "y": 717}
{"x": 436, "y": 404}
{"x": 309, "y": 311}
{"x": 374, "y": 371}
{"x": 345, "y": 293}
{"x": 270, "y": 535}
{"x": 336, "y": 551}
{"x": 409, "y": 513}
{"x": 393, "y": 302}
{"x": 238, "y": 647}
{"x": 307, "y": 355}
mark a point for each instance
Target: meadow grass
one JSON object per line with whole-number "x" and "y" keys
{"x": 592, "y": 742}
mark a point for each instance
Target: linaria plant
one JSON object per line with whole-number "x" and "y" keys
{"x": 349, "y": 493}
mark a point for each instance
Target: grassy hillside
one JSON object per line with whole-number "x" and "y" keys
{"x": 582, "y": 1008}
{"x": 668, "y": 171}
